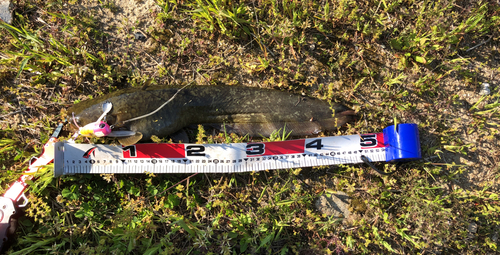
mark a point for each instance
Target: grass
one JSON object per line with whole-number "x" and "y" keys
{"x": 393, "y": 61}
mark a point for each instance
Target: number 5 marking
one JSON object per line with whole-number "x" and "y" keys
{"x": 368, "y": 140}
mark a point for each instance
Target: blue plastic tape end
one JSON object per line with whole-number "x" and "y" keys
{"x": 402, "y": 142}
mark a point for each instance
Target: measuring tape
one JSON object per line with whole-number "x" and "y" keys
{"x": 395, "y": 143}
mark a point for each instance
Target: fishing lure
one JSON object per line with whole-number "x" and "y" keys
{"x": 98, "y": 128}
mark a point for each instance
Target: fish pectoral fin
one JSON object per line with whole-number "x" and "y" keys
{"x": 121, "y": 133}
{"x": 130, "y": 140}
{"x": 180, "y": 136}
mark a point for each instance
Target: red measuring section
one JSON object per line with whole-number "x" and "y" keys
{"x": 154, "y": 150}
{"x": 283, "y": 147}
{"x": 380, "y": 140}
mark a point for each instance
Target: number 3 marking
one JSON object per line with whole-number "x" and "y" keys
{"x": 255, "y": 149}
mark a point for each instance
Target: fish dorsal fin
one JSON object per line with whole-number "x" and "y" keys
{"x": 130, "y": 140}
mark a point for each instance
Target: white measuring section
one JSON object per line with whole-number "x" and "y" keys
{"x": 71, "y": 158}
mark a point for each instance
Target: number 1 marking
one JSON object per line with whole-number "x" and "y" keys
{"x": 131, "y": 150}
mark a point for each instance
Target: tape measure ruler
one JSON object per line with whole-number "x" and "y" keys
{"x": 395, "y": 143}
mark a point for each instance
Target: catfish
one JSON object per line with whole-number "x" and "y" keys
{"x": 236, "y": 109}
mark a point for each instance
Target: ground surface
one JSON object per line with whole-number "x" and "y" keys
{"x": 405, "y": 61}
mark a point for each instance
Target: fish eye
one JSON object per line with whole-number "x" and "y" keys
{"x": 110, "y": 119}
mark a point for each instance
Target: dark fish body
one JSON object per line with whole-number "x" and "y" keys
{"x": 242, "y": 110}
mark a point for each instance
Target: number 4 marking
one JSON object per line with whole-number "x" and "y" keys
{"x": 315, "y": 144}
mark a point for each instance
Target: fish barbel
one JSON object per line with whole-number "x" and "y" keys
{"x": 242, "y": 110}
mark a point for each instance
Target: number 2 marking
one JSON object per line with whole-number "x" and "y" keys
{"x": 195, "y": 150}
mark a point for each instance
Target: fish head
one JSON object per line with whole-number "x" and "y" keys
{"x": 91, "y": 118}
